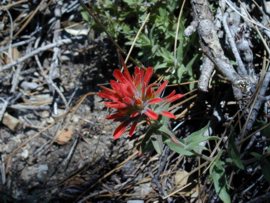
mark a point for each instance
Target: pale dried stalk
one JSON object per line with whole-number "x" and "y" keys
{"x": 241, "y": 67}
{"x": 212, "y": 46}
{"x": 35, "y": 52}
{"x": 207, "y": 69}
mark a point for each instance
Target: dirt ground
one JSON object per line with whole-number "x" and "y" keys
{"x": 50, "y": 147}
{"x": 55, "y": 142}
{"x": 52, "y": 153}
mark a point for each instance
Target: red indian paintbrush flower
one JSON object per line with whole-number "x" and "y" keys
{"x": 133, "y": 99}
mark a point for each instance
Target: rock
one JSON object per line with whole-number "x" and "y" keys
{"x": 28, "y": 173}
{"x": 29, "y": 85}
{"x": 2, "y": 148}
{"x": 42, "y": 172}
{"x": 44, "y": 114}
{"x": 181, "y": 178}
{"x": 30, "y": 132}
{"x": 142, "y": 191}
{"x": 75, "y": 119}
{"x": 32, "y": 172}
{"x": 24, "y": 154}
{"x": 20, "y": 166}
{"x": 50, "y": 120}
{"x": 11, "y": 122}
{"x": 135, "y": 201}
{"x": 10, "y": 147}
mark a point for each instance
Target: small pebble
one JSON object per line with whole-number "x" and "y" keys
{"x": 42, "y": 172}
{"x": 29, "y": 85}
{"x": 45, "y": 114}
{"x": 50, "y": 120}
{"x": 25, "y": 154}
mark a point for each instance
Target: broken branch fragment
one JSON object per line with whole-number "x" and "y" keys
{"x": 11, "y": 122}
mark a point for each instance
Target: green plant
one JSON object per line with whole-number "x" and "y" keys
{"x": 155, "y": 45}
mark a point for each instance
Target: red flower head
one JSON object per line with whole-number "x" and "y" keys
{"x": 133, "y": 98}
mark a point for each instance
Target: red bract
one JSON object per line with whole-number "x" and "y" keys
{"x": 133, "y": 99}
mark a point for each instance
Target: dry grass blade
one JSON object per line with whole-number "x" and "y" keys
{"x": 136, "y": 37}
{"x": 177, "y": 32}
{"x": 8, "y": 6}
{"x": 31, "y": 16}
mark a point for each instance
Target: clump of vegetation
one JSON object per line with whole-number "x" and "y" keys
{"x": 158, "y": 34}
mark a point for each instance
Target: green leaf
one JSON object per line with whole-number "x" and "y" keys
{"x": 195, "y": 140}
{"x": 196, "y": 136}
{"x": 256, "y": 155}
{"x": 265, "y": 165}
{"x": 157, "y": 143}
{"x": 85, "y": 15}
{"x": 160, "y": 66}
{"x": 146, "y": 143}
{"x": 180, "y": 71}
{"x": 154, "y": 48}
{"x": 190, "y": 64}
{"x": 144, "y": 41}
{"x": 217, "y": 173}
{"x": 131, "y": 2}
{"x": 266, "y": 132}
{"x": 174, "y": 143}
{"x": 165, "y": 130}
{"x": 178, "y": 148}
{"x": 179, "y": 53}
{"x": 234, "y": 154}
{"x": 167, "y": 56}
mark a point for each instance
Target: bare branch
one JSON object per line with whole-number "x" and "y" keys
{"x": 35, "y": 52}
{"x": 207, "y": 69}
{"x": 210, "y": 41}
{"x": 2, "y": 49}
{"x": 258, "y": 103}
{"x": 241, "y": 66}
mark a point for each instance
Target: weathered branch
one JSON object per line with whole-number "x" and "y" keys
{"x": 49, "y": 80}
{"x": 35, "y": 52}
{"x": 259, "y": 101}
{"x": 2, "y": 49}
{"x": 212, "y": 46}
{"x": 241, "y": 66}
{"x": 207, "y": 68}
